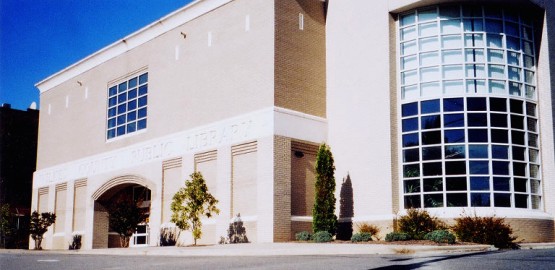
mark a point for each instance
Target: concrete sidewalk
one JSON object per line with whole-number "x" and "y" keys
{"x": 273, "y": 249}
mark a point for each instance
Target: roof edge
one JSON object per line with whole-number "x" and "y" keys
{"x": 183, "y": 15}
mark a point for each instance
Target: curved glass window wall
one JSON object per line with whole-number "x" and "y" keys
{"x": 468, "y": 113}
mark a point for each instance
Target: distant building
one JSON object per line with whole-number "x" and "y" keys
{"x": 18, "y": 157}
{"x": 436, "y": 104}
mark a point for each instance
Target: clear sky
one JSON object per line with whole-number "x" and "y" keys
{"x": 41, "y": 37}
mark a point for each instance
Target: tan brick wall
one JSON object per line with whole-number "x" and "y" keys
{"x": 300, "y": 57}
{"x": 385, "y": 226}
{"x": 303, "y": 178}
{"x": 172, "y": 180}
{"x": 532, "y": 230}
{"x": 243, "y": 185}
{"x": 282, "y": 189}
{"x": 100, "y": 226}
{"x": 300, "y": 226}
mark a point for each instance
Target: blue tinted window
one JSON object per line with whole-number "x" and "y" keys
{"x": 430, "y": 122}
{"x": 498, "y": 120}
{"x": 455, "y": 167}
{"x": 410, "y": 109}
{"x": 431, "y": 153}
{"x": 454, "y": 136}
{"x": 501, "y": 184}
{"x": 123, "y": 103}
{"x": 410, "y": 124}
{"x": 453, "y": 105}
{"x": 499, "y": 136}
{"x": 411, "y": 155}
{"x": 478, "y": 151}
{"x": 429, "y": 106}
{"x": 479, "y": 183}
{"x": 457, "y": 200}
{"x": 500, "y": 167}
{"x": 410, "y": 140}
{"x": 479, "y": 199}
{"x": 478, "y": 135}
{"x": 455, "y": 151}
{"x": 411, "y": 170}
{"x": 478, "y": 167}
{"x": 453, "y": 120}
{"x": 500, "y": 151}
{"x": 476, "y": 104}
{"x": 477, "y": 120}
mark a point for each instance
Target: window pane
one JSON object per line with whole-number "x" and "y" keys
{"x": 476, "y": 104}
{"x": 411, "y": 155}
{"x": 452, "y": 72}
{"x": 430, "y": 89}
{"x": 451, "y": 42}
{"x": 533, "y": 155}
{"x": 500, "y": 167}
{"x": 428, "y": 29}
{"x": 457, "y": 200}
{"x": 478, "y": 167}
{"x": 409, "y": 77}
{"x": 431, "y": 153}
{"x": 454, "y": 136}
{"x": 122, "y": 87}
{"x": 453, "y": 104}
{"x": 132, "y": 116}
{"x": 517, "y": 137}
{"x": 142, "y": 101}
{"x": 142, "y": 113}
{"x": 451, "y": 27}
{"x": 433, "y": 184}
{"x": 517, "y": 121}
{"x": 495, "y": 56}
{"x": 477, "y": 119}
{"x": 141, "y": 124}
{"x": 520, "y": 185}
{"x": 498, "y": 104}
{"x": 521, "y": 201}
{"x": 479, "y": 199}
{"x": 536, "y": 202}
{"x": 412, "y": 186}
{"x": 497, "y": 87}
{"x": 431, "y": 169}
{"x": 410, "y": 124}
{"x": 495, "y": 41}
{"x": 499, "y": 136}
{"x": 452, "y": 57}
{"x": 530, "y": 109}
{"x": 500, "y": 151}
{"x": 516, "y": 106}
{"x": 496, "y": 71}
{"x": 143, "y": 78}
{"x": 143, "y": 90}
{"x": 408, "y": 19}
{"x": 478, "y": 151}
{"x": 408, "y": 33}
{"x": 453, "y": 120}
{"x": 433, "y": 200}
{"x": 410, "y": 109}
{"x": 431, "y": 121}
{"x": 477, "y": 135}
{"x": 429, "y": 59}
{"x": 533, "y": 140}
{"x": 429, "y": 74}
{"x": 429, "y": 44}
{"x": 455, "y": 183}
{"x": 519, "y": 169}
{"x": 112, "y": 91}
{"x": 410, "y": 140}
{"x": 411, "y": 170}
{"x": 513, "y": 58}
{"x": 479, "y": 183}
{"x": 430, "y": 106}
{"x": 518, "y": 153}
{"x": 410, "y": 92}
{"x": 455, "y": 151}
{"x": 474, "y": 40}
{"x": 473, "y": 25}
{"x": 513, "y": 43}
{"x": 453, "y": 87}
{"x": 501, "y": 183}
{"x": 412, "y": 201}
{"x": 515, "y": 89}
{"x": 431, "y": 137}
{"x": 475, "y": 71}
{"x": 476, "y": 86}
{"x": 132, "y": 93}
{"x": 455, "y": 167}
{"x": 133, "y": 82}
{"x": 132, "y": 105}
{"x": 427, "y": 14}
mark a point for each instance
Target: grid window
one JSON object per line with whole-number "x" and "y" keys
{"x": 127, "y": 106}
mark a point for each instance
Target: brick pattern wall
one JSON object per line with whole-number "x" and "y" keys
{"x": 303, "y": 178}
{"x": 300, "y": 56}
{"x": 532, "y": 230}
{"x": 100, "y": 226}
{"x": 282, "y": 188}
{"x": 300, "y": 226}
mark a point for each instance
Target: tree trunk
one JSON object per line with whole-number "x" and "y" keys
{"x": 38, "y": 243}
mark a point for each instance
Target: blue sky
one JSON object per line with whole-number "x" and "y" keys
{"x": 41, "y": 37}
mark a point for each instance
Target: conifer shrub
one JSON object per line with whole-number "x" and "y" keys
{"x": 361, "y": 237}
{"x": 484, "y": 230}
{"x": 397, "y": 236}
{"x": 303, "y": 236}
{"x": 323, "y": 212}
{"x": 236, "y": 232}
{"x": 440, "y": 236}
{"x": 322, "y": 237}
{"x": 418, "y": 222}
{"x": 76, "y": 242}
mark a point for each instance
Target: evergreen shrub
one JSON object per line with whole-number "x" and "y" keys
{"x": 322, "y": 237}
{"x": 418, "y": 222}
{"x": 397, "y": 236}
{"x": 361, "y": 237}
{"x": 484, "y": 230}
{"x": 440, "y": 236}
{"x": 303, "y": 236}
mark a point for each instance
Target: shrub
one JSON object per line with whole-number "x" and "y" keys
{"x": 484, "y": 230}
{"x": 368, "y": 228}
{"x": 323, "y": 212}
{"x": 169, "y": 236}
{"x": 237, "y": 232}
{"x": 76, "y": 243}
{"x": 303, "y": 236}
{"x": 418, "y": 222}
{"x": 440, "y": 236}
{"x": 322, "y": 236}
{"x": 361, "y": 237}
{"x": 397, "y": 236}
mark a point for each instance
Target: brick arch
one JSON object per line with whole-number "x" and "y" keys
{"x": 121, "y": 180}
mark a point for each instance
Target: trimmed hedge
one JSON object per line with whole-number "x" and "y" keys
{"x": 440, "y": 236}
{"x": 397, "y": 236}
{"x": 322, "y": 236}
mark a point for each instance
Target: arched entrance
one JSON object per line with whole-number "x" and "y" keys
{"x": 116, "y": 192}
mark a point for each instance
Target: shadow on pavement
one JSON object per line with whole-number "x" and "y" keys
{"x": 425, "y": 263}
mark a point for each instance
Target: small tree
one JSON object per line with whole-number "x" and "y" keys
{"x": 39, "y": 225}
{"x": 323, "y": 213}
{"x": 192, "y": 202}
{"x": 125, "y": 214}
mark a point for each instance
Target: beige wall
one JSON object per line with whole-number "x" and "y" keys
{"x": 79, "y": 205}
{"x": 203, "y": 84}
{"x": 300, "y": 56}
{"x": 172, "y": 181}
